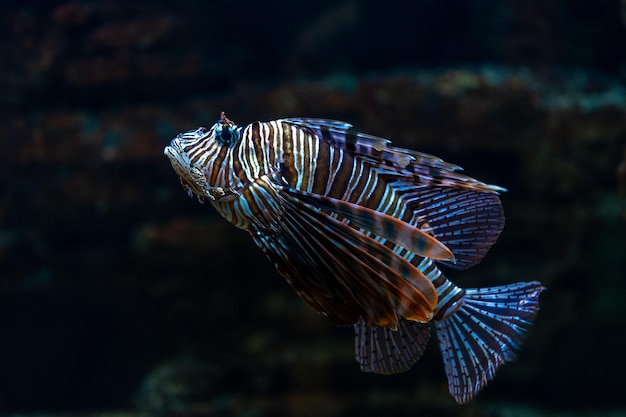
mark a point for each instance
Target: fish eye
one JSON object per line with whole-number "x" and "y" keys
{"x": 225, "y": 135}
{"x": 225, "y": 131}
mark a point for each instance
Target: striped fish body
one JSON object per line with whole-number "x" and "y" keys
{"x": 357, "y": 228}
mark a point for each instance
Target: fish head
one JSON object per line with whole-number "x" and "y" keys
{"x": 195, "y": 153}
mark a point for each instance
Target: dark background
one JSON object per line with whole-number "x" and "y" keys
{"x": 119, "y": 293}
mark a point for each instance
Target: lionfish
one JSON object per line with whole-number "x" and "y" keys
{"x": 359, "y": 228}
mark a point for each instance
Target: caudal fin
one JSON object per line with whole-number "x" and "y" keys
{"x": 485, "y": 333}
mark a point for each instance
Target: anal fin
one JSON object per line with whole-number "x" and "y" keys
{"x": 385, "y": 351}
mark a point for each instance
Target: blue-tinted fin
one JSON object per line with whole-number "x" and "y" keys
{"x": 385, "y": 351}
{"x": 485, "y": 333}
{"x": 467, "y": 222}
{"x": 403, "y": 234}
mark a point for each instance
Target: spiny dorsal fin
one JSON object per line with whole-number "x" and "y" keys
{"x": 421, "y": 168}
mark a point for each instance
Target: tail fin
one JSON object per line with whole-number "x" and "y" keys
{"x": 484, "y": 333}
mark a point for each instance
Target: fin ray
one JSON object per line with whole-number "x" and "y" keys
{"x": 467, "y": 222}
{"x": 484, "y": 334}
{"x": 421, "y": 168}
{"x": 380, "y": 224}
{"x": 413, "y": 294}
{"x": 385, "y": 351}
{"x": 313, "y": 250}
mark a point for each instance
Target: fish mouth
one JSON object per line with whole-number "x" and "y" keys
{"x": 194, "y": 180}
{"x": 173, "y": 150}
{"x": 181, "y": 167}
{"x": 169, "y": 152}
{"x": 178, "y": 161}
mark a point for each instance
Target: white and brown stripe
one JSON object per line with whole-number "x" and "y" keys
{"x": 308, "y": 164}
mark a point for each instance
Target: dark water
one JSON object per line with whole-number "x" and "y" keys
{"x": 119, "y": 293}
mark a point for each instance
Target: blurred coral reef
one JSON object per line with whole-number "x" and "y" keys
{"x": 119, "y": 293}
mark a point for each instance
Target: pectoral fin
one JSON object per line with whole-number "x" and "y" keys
{"x": 403, "y": 234}
{"x": 337, "y": 269}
